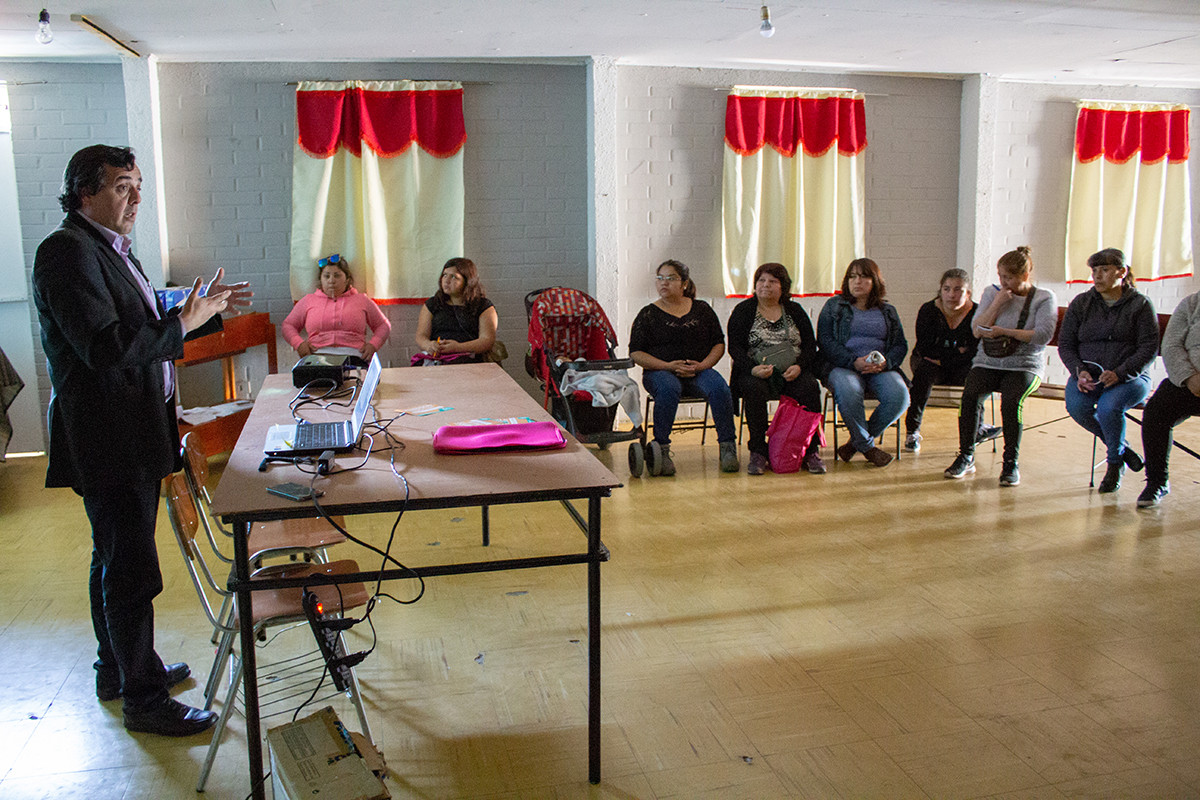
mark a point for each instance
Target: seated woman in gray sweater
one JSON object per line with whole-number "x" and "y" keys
{"x": 1015, "y": 321}
{"x": 1108, "y": 341}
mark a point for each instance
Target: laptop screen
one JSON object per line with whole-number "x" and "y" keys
{"x": 365, "y": 393}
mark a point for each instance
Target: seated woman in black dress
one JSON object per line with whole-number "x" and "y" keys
{"x": 771, "y": 335}
{"x": 944, "y": 350}
{"x": 458, "y": 324}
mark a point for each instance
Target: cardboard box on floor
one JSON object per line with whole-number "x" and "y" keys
{"x": 317, "y": 757}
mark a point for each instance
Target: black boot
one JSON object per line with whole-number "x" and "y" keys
{"x": 1112, "y": 477}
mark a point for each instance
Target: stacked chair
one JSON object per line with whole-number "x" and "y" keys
{"x": 293, "y": 681}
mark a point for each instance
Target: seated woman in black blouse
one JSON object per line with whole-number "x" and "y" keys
{"x": 774, "y": 351}
{"x": 458, "y": 324}
{"x": 944, "y": 350}
{"x": 677, "y": 340}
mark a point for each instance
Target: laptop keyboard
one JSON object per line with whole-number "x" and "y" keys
{"x": 318, "y": 435}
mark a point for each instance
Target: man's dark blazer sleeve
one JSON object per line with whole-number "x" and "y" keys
{"x": 109, "y": 420}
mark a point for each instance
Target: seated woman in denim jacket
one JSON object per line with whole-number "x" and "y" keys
{"x": 862, "y": 341}
{"x": 677, "y": 340}
{"x": 1108, "y": 341}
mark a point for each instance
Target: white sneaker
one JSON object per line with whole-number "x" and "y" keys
{"x": 912, "y": 442}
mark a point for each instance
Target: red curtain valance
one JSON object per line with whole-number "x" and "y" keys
{"x": 1119, "y": 135}
{"x": 789, "y": 123}
{"x": 387, "y": 121}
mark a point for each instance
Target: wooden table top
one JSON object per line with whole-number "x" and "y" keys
{"x": 473, "y": 391}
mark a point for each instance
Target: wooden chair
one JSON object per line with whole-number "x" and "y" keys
{"x": 294, "y": 539}
{"x": 271, "y": 608}
{"x": 305, "y": 539}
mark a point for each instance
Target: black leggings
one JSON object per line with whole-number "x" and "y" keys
{"x": 1166, "y": 408}
{"x": 925, "y": 377}
{"x": 756, "y": 392}
{"x": 1014, "y": 386}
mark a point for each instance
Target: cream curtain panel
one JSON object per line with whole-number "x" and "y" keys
{"x": 793, "y": 185}
{"x": 378, "y": 177}
{"x": 1130, "y": 189}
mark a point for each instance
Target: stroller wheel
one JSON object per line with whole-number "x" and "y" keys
{"x": 654, "y": 458}
{"x": 601, "y": 445}
{"x": 637, "y": 459}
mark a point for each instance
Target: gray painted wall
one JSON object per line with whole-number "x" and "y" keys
{"x": 56, "y": 109}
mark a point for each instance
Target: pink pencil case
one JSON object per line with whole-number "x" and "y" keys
{"x": 460, "y": 439}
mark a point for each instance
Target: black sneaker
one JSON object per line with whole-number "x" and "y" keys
{"x": 1112, "y": 478}
{"x": 1153, "y": 494}
{"x": 1009, "y": 474}
{"x": 987, "y": 432}
{"x": 963, "y": 464}
{"x": 1132, "y": 460}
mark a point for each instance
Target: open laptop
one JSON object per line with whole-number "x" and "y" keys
{"x": 314, "y": 438}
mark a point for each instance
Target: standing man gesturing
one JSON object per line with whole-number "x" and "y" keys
{"x": 110, "y": 347}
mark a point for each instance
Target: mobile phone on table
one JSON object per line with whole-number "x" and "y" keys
{"x": 293, "y": 491}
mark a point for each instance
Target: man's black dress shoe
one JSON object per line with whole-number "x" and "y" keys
{"x": 108, "y": 690}
{"x": 171, "y": 718}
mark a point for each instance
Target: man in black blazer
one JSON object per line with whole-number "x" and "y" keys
{"x": 110, "y": 346}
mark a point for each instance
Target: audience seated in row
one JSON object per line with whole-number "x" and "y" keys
{"x": 1108, "y": 341}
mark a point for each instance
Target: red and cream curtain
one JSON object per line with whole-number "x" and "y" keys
{"x": 793, "y": 185}
{"x": 1129, "y": 189}
{"x": 378, "y": 177}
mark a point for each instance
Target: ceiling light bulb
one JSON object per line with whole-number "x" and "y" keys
{"x": 766, "y": 28}
{"x": 44, "y": 35}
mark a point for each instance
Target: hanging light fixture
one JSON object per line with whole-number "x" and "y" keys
{"x": 44, "y": 35}
{"x": 766, "y": 28}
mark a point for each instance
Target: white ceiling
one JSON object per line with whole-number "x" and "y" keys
{"x": 1118, "y": 41}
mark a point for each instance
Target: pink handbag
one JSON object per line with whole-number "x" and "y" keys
{"x": 463, "y": 439}
{"x": 792, "y": 428}
{"x": 425, "y": 359}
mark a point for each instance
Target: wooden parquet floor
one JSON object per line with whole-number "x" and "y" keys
{"x": 869, "y": 633}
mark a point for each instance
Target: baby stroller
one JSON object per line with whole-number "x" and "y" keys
{"x": 570, "y": 333}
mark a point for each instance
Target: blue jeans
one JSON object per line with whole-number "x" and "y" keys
{"x": 848, "y": 389}
{"x": 1102, "y": 411}
{"x": 666, "y": 388}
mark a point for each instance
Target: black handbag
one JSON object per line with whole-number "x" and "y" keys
{"x": 1005, "y": 346}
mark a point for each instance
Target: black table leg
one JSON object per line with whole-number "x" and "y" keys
{"x": 594, "y": 639}
{"x": 241, "y": 571}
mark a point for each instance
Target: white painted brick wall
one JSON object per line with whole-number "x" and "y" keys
{"x": 56, "y": 110}
{"x": 228, "y": 132}
{"x": 1034, "y": 152}
{"x": 671, "y": 141}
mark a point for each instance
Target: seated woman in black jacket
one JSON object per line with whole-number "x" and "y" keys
{"x": 1108, "y": 341}
{"x": 774, "y": 350}
{"x": 943, "y": 352}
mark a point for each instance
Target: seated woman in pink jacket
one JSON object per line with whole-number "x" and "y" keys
{"x": 336, "y": 316}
